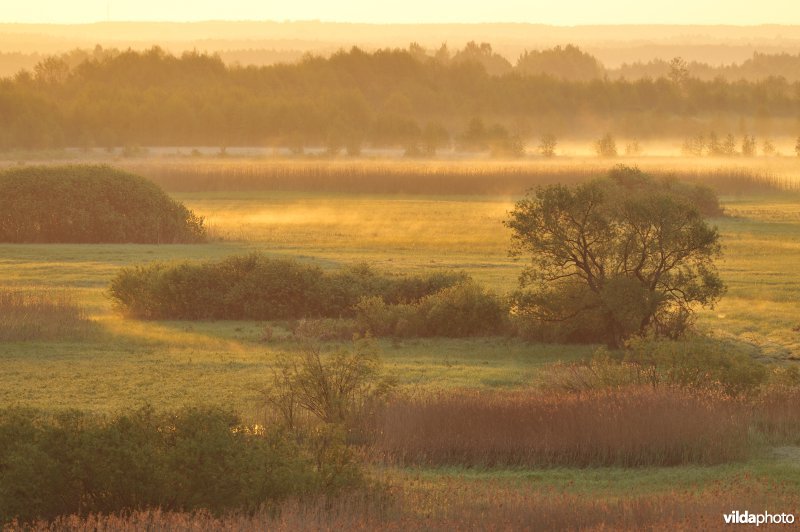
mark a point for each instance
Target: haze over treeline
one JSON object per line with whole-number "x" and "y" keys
{"x": 387, "y": 98}
{"x": 265, "y": 42}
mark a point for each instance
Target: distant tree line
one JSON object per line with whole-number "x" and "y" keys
{"x": 415, "y": 99}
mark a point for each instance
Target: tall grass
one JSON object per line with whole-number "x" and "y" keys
{"x": 777, "y": 415}
{"x": 468, "y": 507}
{"x": 41, "y": 315}
{"x": 622, "y": 427}
{"x": 444, "y": 177}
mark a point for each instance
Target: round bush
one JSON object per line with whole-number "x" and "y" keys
{"x": 90, "y": 204}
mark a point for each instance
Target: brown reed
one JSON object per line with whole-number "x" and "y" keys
{"x": 436, "y": 177}
{"x": 460, "y": 505}
{"x": 630, "y": 427}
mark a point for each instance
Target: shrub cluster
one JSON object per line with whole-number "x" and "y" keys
{"x": 341, "y": 389}
{"x": 465, "y": 309}
{"x": 89, "y": 204}
{"x": 74, "y": 463}
{"x": 693, "y": 363}
{"x": 261, "y": 288}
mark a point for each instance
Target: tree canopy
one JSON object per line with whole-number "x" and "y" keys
{"x": 614, "y": 257}
{"x": 383, "y": 98}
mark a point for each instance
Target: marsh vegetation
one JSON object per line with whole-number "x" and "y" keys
{"x": 400, "y": 312}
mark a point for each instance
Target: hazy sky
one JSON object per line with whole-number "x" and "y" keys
{"x": 560, "y": 12}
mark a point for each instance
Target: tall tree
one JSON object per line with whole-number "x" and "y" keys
{"x": 614, "y": 257}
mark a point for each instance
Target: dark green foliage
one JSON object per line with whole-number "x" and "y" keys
{"x": 150, "y": 98}
{"x": 568, "y": 63}
{"x": 697, "y": 363}
{"x": 74, "y": 463}
{"x": 615, "y": 257}
{"x": 701, "y": 197}
{"x": 88, "y": 204}
{"x": 257, "y": 287}
{"x": 463, "y": 310}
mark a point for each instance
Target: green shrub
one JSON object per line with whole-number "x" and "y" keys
{"x": 74, "y": 463}
{"x": 86, "y": 204}
{"x": 698, "y": 362}
{"x": 466, "y": 309}
{"x": 257, "y": 287}
{"x": 462, "y": 310}
{"x": 695, "y": 363}
{"x": 337, "y": 388}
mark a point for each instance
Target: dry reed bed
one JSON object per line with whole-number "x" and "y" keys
{"x": 463, "y": 506}
{"x": 631, "y": 427}
{"x": 441, "y": 177}
{"x": 41, "y": 315}
{"x": 776, "y": 416}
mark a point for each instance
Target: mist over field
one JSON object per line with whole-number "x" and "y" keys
{"x": 312, "y": 275}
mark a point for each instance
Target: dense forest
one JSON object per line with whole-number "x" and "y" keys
{"x": 415, "y": 98}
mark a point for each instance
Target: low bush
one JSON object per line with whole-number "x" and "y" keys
{"x": 627, "y": 427}
{"x": 88, "y": 204}
{"x": 74, "y": 463}
{"x": 696, "y": 363}
{"x": 260, "y": 288}
{"x": 41, "y": 315}
{"x": 341, "y": 388}
{"x": 462, "y": 310}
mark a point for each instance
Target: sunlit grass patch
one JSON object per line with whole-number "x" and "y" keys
{"x": 41, "y": 315}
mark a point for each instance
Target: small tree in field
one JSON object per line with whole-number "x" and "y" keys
{"x": 633, "y": 148}
{"x": 614, "y": 257}
{"x": 749, "y": 146}
{"x": 547, "y": 145}
{"x": 768, "y": 148}
{"x": 606, "y": 146}
{"x": 335, "y": 388}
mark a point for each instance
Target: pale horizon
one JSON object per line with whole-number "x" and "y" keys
{"x": 566, "y": 13}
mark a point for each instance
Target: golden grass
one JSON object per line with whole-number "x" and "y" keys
{"x": 41, "y": 315}
{"x": 449, "y": 177}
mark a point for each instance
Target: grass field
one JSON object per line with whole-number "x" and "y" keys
{"x": 126, "y": 360}
{"x": 127, "y": 363}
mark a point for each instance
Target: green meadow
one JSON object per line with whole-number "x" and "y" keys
{"x": 131, "y": 362}
{"x": 124, "y": 363}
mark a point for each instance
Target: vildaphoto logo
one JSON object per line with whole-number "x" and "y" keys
{"x": 746, "y": 518}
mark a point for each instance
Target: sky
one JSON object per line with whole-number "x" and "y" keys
{"x": 557, "y": 12}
